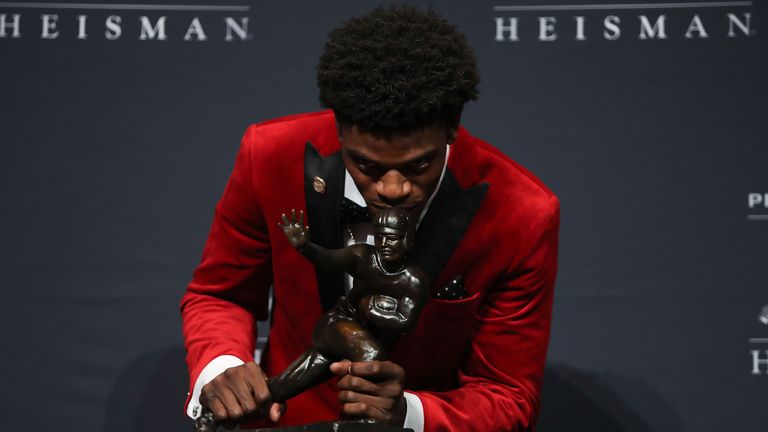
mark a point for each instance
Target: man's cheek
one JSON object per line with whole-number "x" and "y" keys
{"x": 368, "y": 190}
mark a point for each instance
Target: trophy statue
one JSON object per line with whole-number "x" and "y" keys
{"x": 386, "y": 298}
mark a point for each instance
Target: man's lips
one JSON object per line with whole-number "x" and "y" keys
{"x": 380, "y": 206}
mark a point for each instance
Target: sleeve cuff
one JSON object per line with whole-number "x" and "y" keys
{"x": 414, "y": 413}
{"x": 209, "y": 372}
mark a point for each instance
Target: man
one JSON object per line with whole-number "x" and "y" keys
{"x": 395, "y": 81}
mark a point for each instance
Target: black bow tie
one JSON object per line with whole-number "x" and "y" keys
{"x": 352, "y": 213}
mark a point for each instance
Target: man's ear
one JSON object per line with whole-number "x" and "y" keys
{"x": 452, "y": 133}
{"x": 453, "y": 129}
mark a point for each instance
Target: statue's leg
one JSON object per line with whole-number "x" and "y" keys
{"x": 347, "y": 339}
{"x": 312, "y": 367}
{"x": 307, "y": 371}
{"x": 336, "y": 336}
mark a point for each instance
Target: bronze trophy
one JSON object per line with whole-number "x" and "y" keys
{"x": 386, "y": 298}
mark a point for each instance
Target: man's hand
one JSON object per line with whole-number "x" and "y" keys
{"x": 294, "y": 229}
{"x": 372, "y": 390}
{"x": 240, "y": 394}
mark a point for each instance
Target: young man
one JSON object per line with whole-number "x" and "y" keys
{"x": 395, "y": 82}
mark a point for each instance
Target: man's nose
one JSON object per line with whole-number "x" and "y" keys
{"x": 393, "y": 188}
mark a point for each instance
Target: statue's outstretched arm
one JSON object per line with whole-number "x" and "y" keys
{"x": 298, "y": 235}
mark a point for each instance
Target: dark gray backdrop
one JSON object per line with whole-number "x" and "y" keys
{"x": 115, "y": 152}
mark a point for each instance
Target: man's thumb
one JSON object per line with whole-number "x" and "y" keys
{"x": 276, "y": 411}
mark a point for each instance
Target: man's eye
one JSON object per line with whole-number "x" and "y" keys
{"x": 422, "y": 163}
{"x": 364, "y": 164}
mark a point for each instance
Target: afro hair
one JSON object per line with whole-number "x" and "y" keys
{"x": 396, "y": 70}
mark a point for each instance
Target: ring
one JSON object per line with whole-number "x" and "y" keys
{"x": 349, "y": 370}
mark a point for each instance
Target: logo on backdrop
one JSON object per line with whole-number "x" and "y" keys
{"x": 110, "y": 21}
{"x": 757, "y": 206}
{"x": 763, "y": 317}
{"x": 759, "y": 353}
{"x": 611, "y": 22}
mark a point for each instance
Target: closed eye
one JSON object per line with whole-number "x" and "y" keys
{"x": 422, "y": 163}
{"x": 364, "y": 164}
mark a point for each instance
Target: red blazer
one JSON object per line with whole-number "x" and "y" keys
{"x": 476, "y": 363}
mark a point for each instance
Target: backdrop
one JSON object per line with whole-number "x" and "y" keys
{"x": 119, "y": 124}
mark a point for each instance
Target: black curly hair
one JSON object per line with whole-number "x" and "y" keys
{"x": 396, "y": 70}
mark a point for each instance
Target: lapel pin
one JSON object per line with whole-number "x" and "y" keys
{"x": 318, "y": 184}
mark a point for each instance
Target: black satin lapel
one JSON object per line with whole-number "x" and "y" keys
{"x": 445, "y": 223}
{"x": 323, "y": 212}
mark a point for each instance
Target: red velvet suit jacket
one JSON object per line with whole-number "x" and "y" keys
{"x": 476, "y": 363}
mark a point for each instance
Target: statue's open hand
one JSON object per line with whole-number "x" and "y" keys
{"x": 372, "y": 390}
{"x": 294, "y": 229}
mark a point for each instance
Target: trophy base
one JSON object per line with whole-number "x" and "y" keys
{"x": 335, "y": 426}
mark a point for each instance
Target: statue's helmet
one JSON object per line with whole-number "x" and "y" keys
{"x": 395, "y": 220}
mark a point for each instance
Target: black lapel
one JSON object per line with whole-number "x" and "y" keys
{"x": 323, "y": 213}
{"x": 445, "y": 223}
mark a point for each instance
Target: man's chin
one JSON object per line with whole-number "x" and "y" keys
{"x": 414, "y": 213}
{"x": 414, "y": 210}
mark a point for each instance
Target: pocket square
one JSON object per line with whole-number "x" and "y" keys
{"x": 454, "y": 290}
